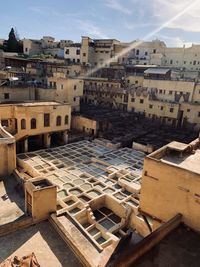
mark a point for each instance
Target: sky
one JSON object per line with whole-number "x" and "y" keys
{"x": 125, "y": 20}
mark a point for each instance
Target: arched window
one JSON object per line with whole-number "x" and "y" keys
{"x": 23, "y": 124}
{"x": 66, "y": 119}
{"x": 33, "y": 123}
{"x": 58, "y": 121}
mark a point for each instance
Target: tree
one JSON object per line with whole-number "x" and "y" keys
{"x": 12, "y": 44}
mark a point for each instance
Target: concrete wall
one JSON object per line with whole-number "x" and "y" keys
{"x": 16, "y": 94}
{"x": 85, "y": 125}
{"x": 168, "y": 190}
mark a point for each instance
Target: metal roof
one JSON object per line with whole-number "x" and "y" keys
{"x": 156, "y": 71}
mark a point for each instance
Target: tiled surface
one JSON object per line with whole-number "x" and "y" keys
{"x": 84, "y": 171}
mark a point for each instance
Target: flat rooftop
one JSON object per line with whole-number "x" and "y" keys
{"x": 34, "y": 104}
{"x": 190, "y": 162}
{"x": 11, "y": 202}
{"x": 50, "y": 250}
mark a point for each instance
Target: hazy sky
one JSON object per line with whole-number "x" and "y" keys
{"x": 125, "y": 20}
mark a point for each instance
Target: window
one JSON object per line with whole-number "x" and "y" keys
{"x": 199, "y": 114}
{"x": 161, "y": 108}
{"x": 137, "y": 52}
{"x": 170, "y": 92}
{"x": 194, "y": 62}
{"x": 74, "y": 87}
{"x": 74, "y": 99}
{"x": 171, "y": 110}
{"x": 78, "y": 51}
{"x": 58, "y": 121}
{"x": 46, "y": 120}
{"x": 61, "y": 86}
{"x": 6, "y": 96}
{"x": 4, "y": 123}
{"x": 136, "y": 82}
{"x": 188, "y": 110}
{"x": 171, "y": 61}
{"x": 33, "y": 123}
{"x": 146, "y": 53}
{"x": 150, "y": 106}
{"x": 23, "y": 124}
{"x": 74, "y": 60}
{"x": 160, "y": 91}
{"x": 66, "y": 119}
{"x": 78, "y": 60}
{"x": 154, "y": 51}
{"x": 84, "y": 54}
{"x": 141, "y": 101}
{"x": 67, "y": 51}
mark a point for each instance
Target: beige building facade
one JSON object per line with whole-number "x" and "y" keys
{"x": 67, "y": 90}
{"x": 170, "y": 183}
{"x": 175, "y": 102}
{"x": 33, "y": 124}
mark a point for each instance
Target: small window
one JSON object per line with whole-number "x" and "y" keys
{"x": 74, "y": 87}
{"x": 66, "y": 119}
{"x": 6, "y": 96}
{"x": 154, "y": 51}
{"x": 150, "y": 106}
{"x": 23, "y": 124}
{"x": 74, "y": 99}
{"x": 61, "y": 86}
{"x": 188, "y": 110}
{"x": 58, "y": 121}
{"x": 171, "y": 110}
{"x": 170, "y": 92}
{"x": 141, "y": 101}
{"x": 136, "y": 82}
{"x": 171, "y": 61}
{"x": 4, "y": 123}
{"x": 146, "y": 53}
{"x": 33, "y": 123}
{"x": 46, "y": 120}
{"x": 160, "y": 91}
{"x": 132, "y": 99}
{"x": 137, "y": 52}
{"x": 199, "y": 114}
{"x": 67, "y": 51}
{"x": 161, "y": 108}
{"x": 84, "y": 55}
{"x": 78, "y": 51}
